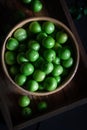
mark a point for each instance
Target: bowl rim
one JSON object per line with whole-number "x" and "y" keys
{"x": 55, "y": 21}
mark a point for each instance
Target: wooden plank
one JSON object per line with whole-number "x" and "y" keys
{"x": 5, "y": 111}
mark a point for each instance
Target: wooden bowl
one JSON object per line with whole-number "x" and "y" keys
{"x": 73, "y": 44}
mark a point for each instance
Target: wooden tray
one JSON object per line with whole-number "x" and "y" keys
{"x": 73, "y": 95}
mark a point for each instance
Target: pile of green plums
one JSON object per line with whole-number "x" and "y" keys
{"x": 39, "y": 56}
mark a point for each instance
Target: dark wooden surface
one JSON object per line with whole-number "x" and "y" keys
{"x": 74, "y": 94}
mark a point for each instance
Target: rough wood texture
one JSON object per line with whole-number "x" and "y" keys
{"x": 75, "y": 92}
